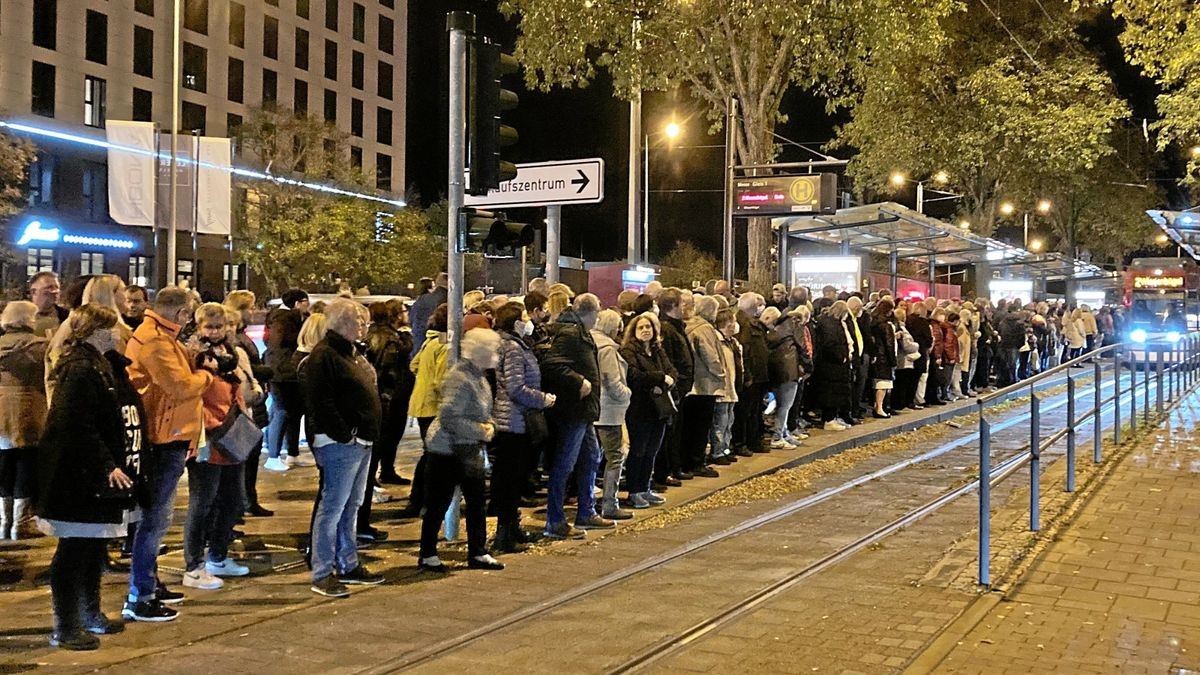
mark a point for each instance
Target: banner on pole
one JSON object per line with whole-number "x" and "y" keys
{"x": 185, "y": 186}
{"x": 214, "y": 186}
{"x": 131, "y": 198}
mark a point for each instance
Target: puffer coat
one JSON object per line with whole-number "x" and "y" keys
{"x": 518, "y": 384}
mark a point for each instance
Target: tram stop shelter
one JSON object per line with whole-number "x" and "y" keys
{"x": 900, "y": 233}
{"x": 1182, "y": 227}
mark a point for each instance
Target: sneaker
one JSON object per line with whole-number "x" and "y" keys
{"x": 330, "y": 587}
{"x": 275, "y": 464}
{"x": 617, "y": 513}
{"x": 151, "y": 611}
{"x": 564, "y": 530}
{"x": 167, "y": 596}
{"x": 484, "y": 562}
{"x": 380, "y": 496}
{"x": 653, "y": 499}
{"x": 432, "y": 564}
{"x": 226, "y": 568}
{"x": 781, "y": 444}
{"x": 361, "y": 576}
{"x": 200, "y": 579}
{"x": 706, "y": 472}
{"x": 371, "y": 534}
{"x": 795, "y": 438}
{"x": 76, "y": 641}
{"x": 302, "y": 461}
{"x": 834, "y": 425}
{"x": 636, "y": 501}
{"x": 102, "y": 625}
{"x": 594, "y": 522}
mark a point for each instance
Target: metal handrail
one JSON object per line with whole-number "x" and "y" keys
{"x": 1034, "y": 380}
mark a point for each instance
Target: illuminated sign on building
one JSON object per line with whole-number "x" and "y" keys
{"x": 1157, "y": 282}
{"x": 36, "y": 232}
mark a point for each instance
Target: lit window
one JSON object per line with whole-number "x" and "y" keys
{"x": 93, "y": 101}
{"x": 91, "y": 262}
{"x": 38, "y": 260}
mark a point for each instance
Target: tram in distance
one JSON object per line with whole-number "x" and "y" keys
{"x": 1162, "y": 304}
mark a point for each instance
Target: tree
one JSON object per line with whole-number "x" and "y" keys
{"x": 720, "y": 49}
{"x": 685, "y": 265}
{"x": 1005, "y": 115}
{"x": 293, "y": 236}
{"x": 16, "y": 155}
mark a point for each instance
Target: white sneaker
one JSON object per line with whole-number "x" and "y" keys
{"x": 201, "y": 579}
{"x": 226, "y": 568}
{"x": 795, "y": 438}
{"x": 275, "y": 464}
{"x": 781, "y": 444}
{"x": 835, "y": 425}
{"x": 380, "y": 496}
{"x": 302, "y": 461}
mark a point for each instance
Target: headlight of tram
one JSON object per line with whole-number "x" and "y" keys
{"x": 1174, "y": 336}
{"x": 1138, "y": 335}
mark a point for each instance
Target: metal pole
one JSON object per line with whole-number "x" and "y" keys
{"x": 1117, "y": 399}
{"x": 1159, "y": 354}
{"x": 1026, "y": 219}
{"x": 172, "y": 244}
{"x": 1133, "y": 393}
{"x": 985, "y": 498}
{"x": 524, "y": 269}
{"x": 1098, "y": 420}
{"x": 645, "y": 198}
{"x": 920, "y": 197}
{"x": 195, "y": 205}
{"x": 1071, "y": 431}
{"x": 1146, "y": 386}
{"x": 1035, "y": 461}
{"x": 633, "y": 247}
{"x": 461, "y": 26}
{"x": 892, "y": 267}
{"x": 727, "y": 255}
{"x": 932, "y": 278}
{"x": 553, "y": 242}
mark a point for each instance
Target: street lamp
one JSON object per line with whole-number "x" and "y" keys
{"x": 964, "y": 224}
{"x": 1196, "y": 151}
{"x": 898, "y": 179}
{"x": 672, "y": 130}
{"x": 1043, "y": 207}
{"x": 1035, "y": 245}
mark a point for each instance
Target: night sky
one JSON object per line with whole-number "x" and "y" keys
{"x": 578, "y": 123}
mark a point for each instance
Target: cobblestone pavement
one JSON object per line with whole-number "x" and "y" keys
{"x": 871, "y": 613}
{"x": 1119, "y": 590}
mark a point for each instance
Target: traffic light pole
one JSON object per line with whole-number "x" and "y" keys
{"x": 727, "y": 241}
{"x": 461, "y": 26}
{"x": 553, "y": 229}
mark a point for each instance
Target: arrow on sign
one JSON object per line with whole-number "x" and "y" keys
{"x": 582, "y": 181}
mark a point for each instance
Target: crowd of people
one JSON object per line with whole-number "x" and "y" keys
{"x": 108, "y": 398}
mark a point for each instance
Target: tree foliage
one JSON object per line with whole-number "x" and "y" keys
{"x": 1010, "y": 105}
{"x": 685, "y": 266}
{"x": 746, "y": 49}
{"x": 293, "y": 236}
{"x": 16, "y": 155}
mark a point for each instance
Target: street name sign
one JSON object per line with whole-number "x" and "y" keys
{"x": 576, "y": 181}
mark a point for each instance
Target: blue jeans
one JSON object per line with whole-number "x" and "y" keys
{"x": 283, "y": 430}
{"x": 214, "y": 504}
{"x": 162, "y": 467}
{"x": 785, "y": 396}
{"x": 578, "y": 450}
{"x": 722, "y": 428}
{"x": 343, "y": 480}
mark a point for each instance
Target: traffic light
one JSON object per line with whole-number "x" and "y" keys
{"x": 486, "y": 99}
{"x": 493, "y": 234}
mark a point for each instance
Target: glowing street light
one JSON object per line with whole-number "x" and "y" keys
{"x": 1044, "y": 206}
{"x": 1007, "y": 208}
{"x": 1196, "y": 151}
{"x": 941, "y": 178}
{"x": 898, "y": 179}
{"x": 672, "y": 131}
{"x": 1162, "y": 238}
{"x": 964, "y": 224}
{"x": 1035, "y": 245}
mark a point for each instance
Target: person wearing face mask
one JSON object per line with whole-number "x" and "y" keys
{"x": 456, "y": 445}
{"x": 172, "y": 389}
{"x": 83, "y": 485}
{"x": 519, "y": 396}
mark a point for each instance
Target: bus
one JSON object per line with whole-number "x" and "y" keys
{"x": 1162, "y": 301}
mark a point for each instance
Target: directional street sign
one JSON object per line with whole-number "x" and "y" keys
{"x": 577, "y": 181}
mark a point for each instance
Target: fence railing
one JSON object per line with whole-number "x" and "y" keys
{"x": 1174, "y": 371}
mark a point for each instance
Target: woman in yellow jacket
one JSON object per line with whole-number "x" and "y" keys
{"x": 429, "y": 365}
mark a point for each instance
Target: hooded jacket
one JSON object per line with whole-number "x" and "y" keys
{"x": 429, "y": 365}
{"x": 570, "y": 359}
{"x": 22, "y": 389}
{"x": 466, "y": 407}
{"x": 615, "y": 394}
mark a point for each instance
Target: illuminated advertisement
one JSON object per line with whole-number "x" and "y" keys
{"x": 1010, "y": 289}
{"x": 36, "y": 232}
{"x": 816, "y": 272}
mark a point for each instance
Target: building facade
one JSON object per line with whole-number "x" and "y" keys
{"x": 71, "y": 65}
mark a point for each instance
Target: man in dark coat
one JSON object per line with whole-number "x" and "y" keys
{"x": 748, "y": 412}
{"x": 917, "y": 324}
{"x": 287, "y": 404}
{"x": 1012, "y": 337}
{"x": 674, "y": 308}
{"x": 571, "y": 371}
{"x": 832, "y": 377}
{"x": 424, "y": 307}
{"x": 859, "y": 323}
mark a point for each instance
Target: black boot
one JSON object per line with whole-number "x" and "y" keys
{"x": 506, "y": 540}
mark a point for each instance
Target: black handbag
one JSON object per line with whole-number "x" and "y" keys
{"x": 237, "y": 436}
{"x": 123, "y": 498}
{"x": 664, "y": 405}
{"x": 471, "y": 457}
{"x": 536, "y": 427}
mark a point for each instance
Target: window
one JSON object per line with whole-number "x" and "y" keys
{"x": 383, "y": 126}
{"x": 94, "y": 103}
{"x": 183, "y": 270}
{"x": 331, "y": 60}
{"x": 91, "y": 262}
{"x": 94, "y": 184}
{"x": 195, "y": 16}
{"x": 300, "y": 98}
{"x": 232, "y": 124}
{"x": 356, "y": 158}
{"x": 195, "y": 67}
{"x": 139, "y": 270}
{"x": 330, "y": 146}
{"x": 41, "y": 101}
{"x": 143, "y": 105}
{"x": 356, "y": 69}
{"x": 144, "y": 6}
{"x": 330, "y": 105}
{"x": 270, "y": 87}
{"x": 386, "y": 35}
{"x": 301, "y": 49}
{"x": 192, "y": 118}
{"x": 233, "y": 277}
{"x": 237, "y": 24}
{"x": 45, "y": 23}
{"x": 270, "y": 37}
{"x": 143, "y": 51}
{"x": 38, "y": 260}
{"x": 41, "y": 180}
{"x": 235, "y": 80}
{"x": 383, "y": 171}
{"x": 384, "y": 85}
{"x": 356, "y": 117}
{"x": 96, "y": 40}
{"x": 390, "y": 4}
{"x": 360, "y": 23}
{"x": 302, "y": 9}
{"x": 331, "y": 14}
{"x": 273, "y": 3}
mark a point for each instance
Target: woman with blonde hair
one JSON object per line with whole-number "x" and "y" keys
{"x": 241, "y": 303}
{"x": 556, "y": 304}
{"x": 105, "y": 290}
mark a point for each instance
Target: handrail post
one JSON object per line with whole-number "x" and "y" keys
{"x": 1071, "y": 432}
{"x": 1146, "y": 387}
{"x": 1133, "y": 392}
{"x": 1035, "y": 462}
{"x": 1117, "y": 398}
{"x": 1098, "y": 420}
{"x": 985, "y": 498}
{"x": 1159, "y": 355}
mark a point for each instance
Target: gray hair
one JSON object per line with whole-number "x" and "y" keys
{"x": 770, "y": 315}
{"x": 609, "y": 323}
{"x": 478, "y": 342}
{"x": 707, "y": 308}
{"x": 18, "y": 314}
{"x": 839, "y": 309}
{"x": 587, "y": 303}
{"x": 748, "y": 302}
{"x": 342, "y": 313}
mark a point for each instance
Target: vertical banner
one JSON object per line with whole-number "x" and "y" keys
{"x": 185, "y": 190}
{"x": 131, "y": 172}
{"x": 214, "y": 186}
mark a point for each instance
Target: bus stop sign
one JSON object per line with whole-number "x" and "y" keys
{"x": 814, "y": 194}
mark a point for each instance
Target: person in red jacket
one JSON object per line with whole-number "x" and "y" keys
{"x": 944, "y": 352}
